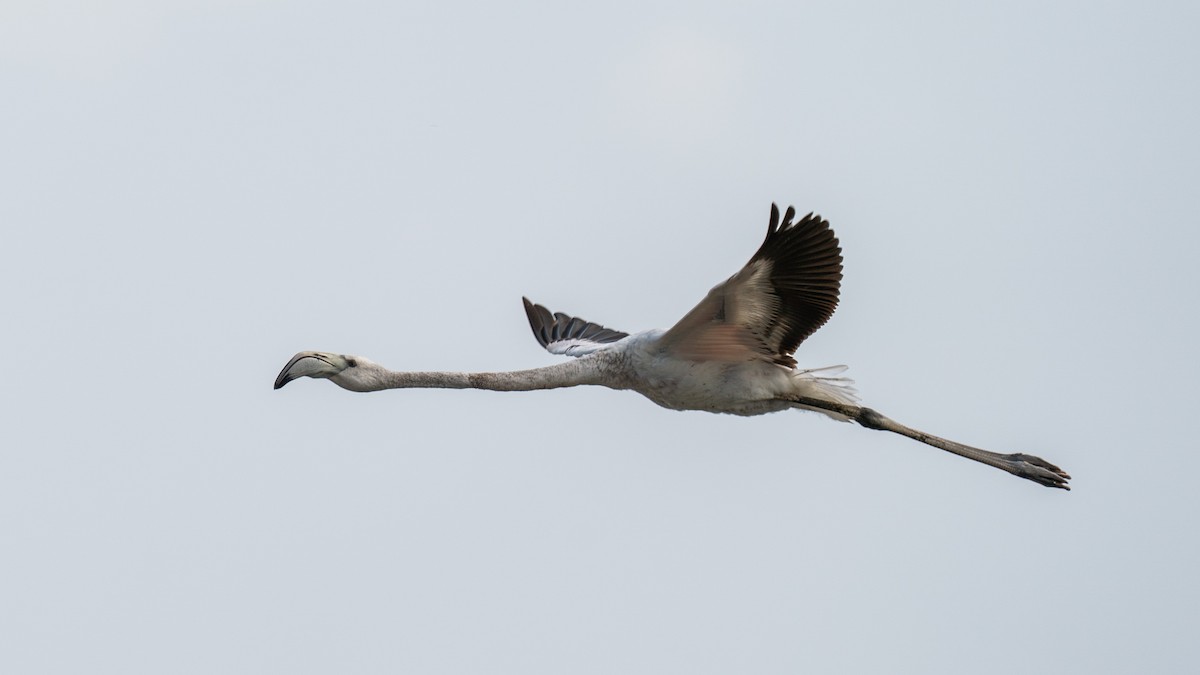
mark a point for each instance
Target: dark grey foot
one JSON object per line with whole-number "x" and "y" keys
{"x": 1037, "y": 470}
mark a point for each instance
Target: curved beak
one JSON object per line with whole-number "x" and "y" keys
{"x": 311, "y": 364}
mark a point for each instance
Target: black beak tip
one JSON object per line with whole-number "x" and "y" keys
{"x": 281, "y": 380}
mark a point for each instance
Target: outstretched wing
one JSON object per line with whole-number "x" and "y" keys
{"x": 562, "y": 334}
{"x": 787, "y": 291}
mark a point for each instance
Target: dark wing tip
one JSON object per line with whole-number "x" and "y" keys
{"x": 548, "y": 328}
{"x": 806, "y": 273}
{"x": 540, "y": 321}
{"x": 788, "y": 216}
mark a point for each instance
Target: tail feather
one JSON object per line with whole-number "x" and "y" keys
{"x": 825, "y": 383}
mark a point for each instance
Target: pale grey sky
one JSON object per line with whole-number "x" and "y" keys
{"x": 194, "y": 191}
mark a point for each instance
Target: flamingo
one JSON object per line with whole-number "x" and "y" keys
{"x": 731, "y": 354}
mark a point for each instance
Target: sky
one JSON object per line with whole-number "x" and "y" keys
{"x": 194, "y": 191}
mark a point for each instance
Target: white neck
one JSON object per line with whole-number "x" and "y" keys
{"x": 569, "y": 374}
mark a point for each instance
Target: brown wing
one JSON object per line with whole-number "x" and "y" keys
{"x": 787, "y": 291}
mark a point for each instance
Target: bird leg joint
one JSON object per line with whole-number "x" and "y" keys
{"x": 870, "y": 419}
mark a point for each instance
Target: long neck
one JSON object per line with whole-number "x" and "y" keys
{"x": 570, "y": 374}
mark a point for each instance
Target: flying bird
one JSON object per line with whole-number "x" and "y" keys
{"x": 731, "y": 354}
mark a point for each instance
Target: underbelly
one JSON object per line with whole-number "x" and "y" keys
{"x": 735, "y": 389}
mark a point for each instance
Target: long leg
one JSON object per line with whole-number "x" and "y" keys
{"x": 1029, "y": 467}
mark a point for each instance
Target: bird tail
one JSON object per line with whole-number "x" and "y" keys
{"x": 827, "y": 384}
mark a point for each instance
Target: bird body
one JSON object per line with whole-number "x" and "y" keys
{"x": 752, "y": 387}
{"x": 732, "y": 353}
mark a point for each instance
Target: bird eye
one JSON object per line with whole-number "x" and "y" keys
{"x": 352, "y": 362}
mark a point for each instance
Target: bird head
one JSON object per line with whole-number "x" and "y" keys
{"x": 348, "y": 372}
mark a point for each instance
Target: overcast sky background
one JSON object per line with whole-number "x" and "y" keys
{"x": 193, "y": 191}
